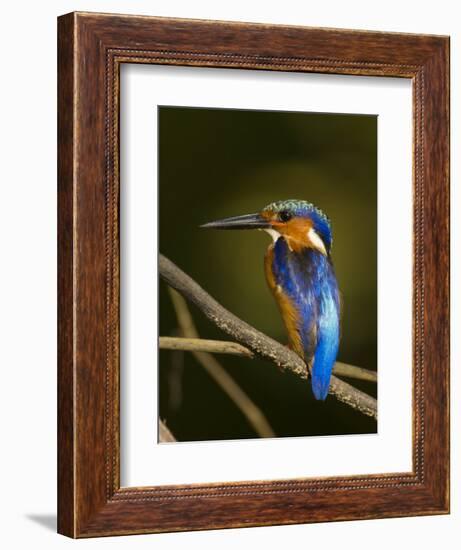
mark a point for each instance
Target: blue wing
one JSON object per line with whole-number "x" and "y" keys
{"x": 308, "y": 279}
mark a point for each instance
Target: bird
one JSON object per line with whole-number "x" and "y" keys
{"x": 300, "y": 274}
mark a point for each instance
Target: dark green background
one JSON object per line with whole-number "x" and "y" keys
{"x": 215, "y": 163}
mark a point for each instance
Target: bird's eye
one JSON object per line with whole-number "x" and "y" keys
{"x": 285, "y": 216}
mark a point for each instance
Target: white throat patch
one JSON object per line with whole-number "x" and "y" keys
{"x": 316, "y": 241}
{"x": 273, "y": 233}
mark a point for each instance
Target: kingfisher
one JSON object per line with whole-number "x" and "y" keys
{"x": 299, "y": 272}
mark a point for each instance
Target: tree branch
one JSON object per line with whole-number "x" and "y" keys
{"x": 232, "y": 348}
{"x": 164, "y": 434}
{"x": 258, "y": 342}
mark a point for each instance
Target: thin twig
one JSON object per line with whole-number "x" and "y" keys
{"x": 351, "y": 371}
{"x": 175, "y": 379}
{"x": 164, "y": 434}
{"x": 258, "y": 342}
{"x": 232, "y": 348}
{"x": 253, "y": 414}
{"x": 200, "y": 344}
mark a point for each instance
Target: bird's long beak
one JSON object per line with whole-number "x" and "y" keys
{"x": 248, "y": 221}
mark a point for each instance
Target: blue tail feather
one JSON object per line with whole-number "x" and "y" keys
{"x": 325, "y": 356}
{"x": 327, "y": 339}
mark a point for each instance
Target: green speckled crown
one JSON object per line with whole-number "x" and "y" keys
{"x": 296, "y": 207}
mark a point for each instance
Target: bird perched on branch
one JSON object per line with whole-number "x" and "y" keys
{"x": 300, "y": 274}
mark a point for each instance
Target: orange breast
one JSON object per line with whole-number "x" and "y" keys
{"x": 289, "y": 312}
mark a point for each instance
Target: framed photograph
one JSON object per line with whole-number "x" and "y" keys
{"x": 253, "y": 275}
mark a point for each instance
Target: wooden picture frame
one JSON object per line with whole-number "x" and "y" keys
{"x": 91, "y": 48}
